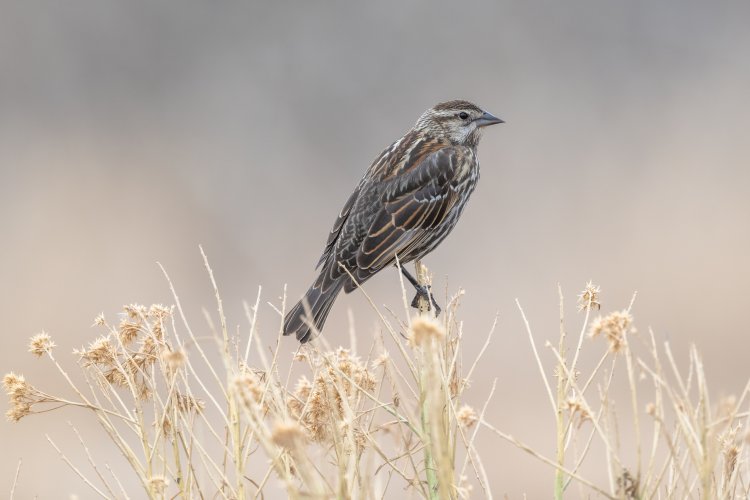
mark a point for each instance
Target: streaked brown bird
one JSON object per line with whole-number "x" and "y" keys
{"x": 406, "y": 204}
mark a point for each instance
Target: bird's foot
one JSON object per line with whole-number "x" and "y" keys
{"x": 424, "y": 292}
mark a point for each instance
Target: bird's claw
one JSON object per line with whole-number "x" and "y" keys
{"x": 424, "y": 292}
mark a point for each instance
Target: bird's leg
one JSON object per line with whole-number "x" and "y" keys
{"x": 422, "y": 291}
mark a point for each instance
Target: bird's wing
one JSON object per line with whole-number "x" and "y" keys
{"x": 400, "y": 157}
{"x": 336, "y": 229}
{"x": 383, "y": 165}
{"x": 413, "y": 202}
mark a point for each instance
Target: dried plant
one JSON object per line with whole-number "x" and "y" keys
{"x": 217, "y": 416}
{"x": 696, "y": 450}
{"x": 221, "y": 416}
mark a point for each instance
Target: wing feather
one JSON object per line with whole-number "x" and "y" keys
{"x": 338, "y": 225}
{"x": 413, "y": 204}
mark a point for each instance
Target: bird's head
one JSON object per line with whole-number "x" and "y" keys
{"x": 458, "y": 122}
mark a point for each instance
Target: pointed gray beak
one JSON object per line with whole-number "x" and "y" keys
{"x": 487, "y": 119}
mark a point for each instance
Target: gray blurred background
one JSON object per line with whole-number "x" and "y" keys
{"x": 131, "y": 132}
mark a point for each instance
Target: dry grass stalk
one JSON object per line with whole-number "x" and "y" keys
{"x": 218, "y": 416}
{"x": 696, "y": 450}
{"x": 221, "y": 415}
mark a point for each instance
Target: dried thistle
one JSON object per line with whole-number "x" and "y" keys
{"x": 589, "y": 298}
{"x": 249, "y": 388}
{"x": 187, "y": 403}
{"x": 100, "y": 352}
{"x": 320, "y": 404}
{"x": 128, "y": 330}
{"x": 467, "y": 416}
{"x": 159, "y": 311}
{"x": 381, "y": 360}
{"x": 301, "y": 394}
{"x": 22, "y": 396}
{"x": 135, "y": 311}
{"x": 99, "y": 320}
{"x": 40, "y": 344}
{"x": 614, "y": 328}
{"x": 577, "y": 411}
{"x": 353, "y": 369}
{"x": 288, "y": 435}
{"x": 730, "y": 450}
{"x": 173, "y": 360}
{"x": 423, "y": 330}
{"x": 158, "y": 484}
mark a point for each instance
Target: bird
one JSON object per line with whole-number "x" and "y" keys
{"x": 407, "y": 202}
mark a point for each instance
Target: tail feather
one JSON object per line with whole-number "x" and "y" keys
{"x": 318, "y": 303}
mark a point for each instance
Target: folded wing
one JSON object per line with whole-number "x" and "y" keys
{"x": 414, "y": 206}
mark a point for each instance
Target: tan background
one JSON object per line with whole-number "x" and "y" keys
{"x": 130, "y": 132}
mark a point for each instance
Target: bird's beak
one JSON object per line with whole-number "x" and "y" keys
{"x": 487, "y": 119}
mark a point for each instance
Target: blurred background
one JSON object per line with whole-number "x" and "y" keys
{"x": 131, "y": 132}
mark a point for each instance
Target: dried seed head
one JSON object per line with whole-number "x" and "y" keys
{"x": 144, "y": 392}
{"x": 423, "y": 330}
{"x": 187, "y": 403}
{"x": 614, "y": 328}
{"x": 354, "y": 436}
{"x": 15, "y": 386}
{"x": 22, "y": 396}
{"x": 589, "y": 298}
{"x": 100, "y": 352}
{"x": 651, "y": 409}
{"x": 18, "y": 411}
{"x": 40, "y": 344}
{"x": 135, "y": 311}
{"x": 730, "y": 450}
{"x": 249, "y": 388}
{"x": 128, "y": 330}
{"x": 157, "y": 485}
{"x": 322, "y": 403}
{"x": 166, "y": 425}
{"x": 288, "y": 435}
{"x": 303, "y": 388}
{"x": 577, "y": 411}
{"x": 353, "y": 370}
{"x": 731, "y": 453}
{"x": 158, "y": 311}
{"x": 302, "y": 391}
{"x": 173, "y": 360}
{"x": 156, "y": 330}
{"x": 99, "y": 320}
{"x": 466, "y": 416}
{"x": 381, "y": 360}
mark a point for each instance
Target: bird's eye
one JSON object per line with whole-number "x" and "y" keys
{"x": 463, "y": 115}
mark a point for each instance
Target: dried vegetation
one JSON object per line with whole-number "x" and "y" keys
{"x": 224, "y": 415}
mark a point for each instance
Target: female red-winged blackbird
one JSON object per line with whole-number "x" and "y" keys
{"x": 408, "y": 201}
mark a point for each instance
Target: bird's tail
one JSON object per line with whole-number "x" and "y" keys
{"x": 318, "y": 303}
